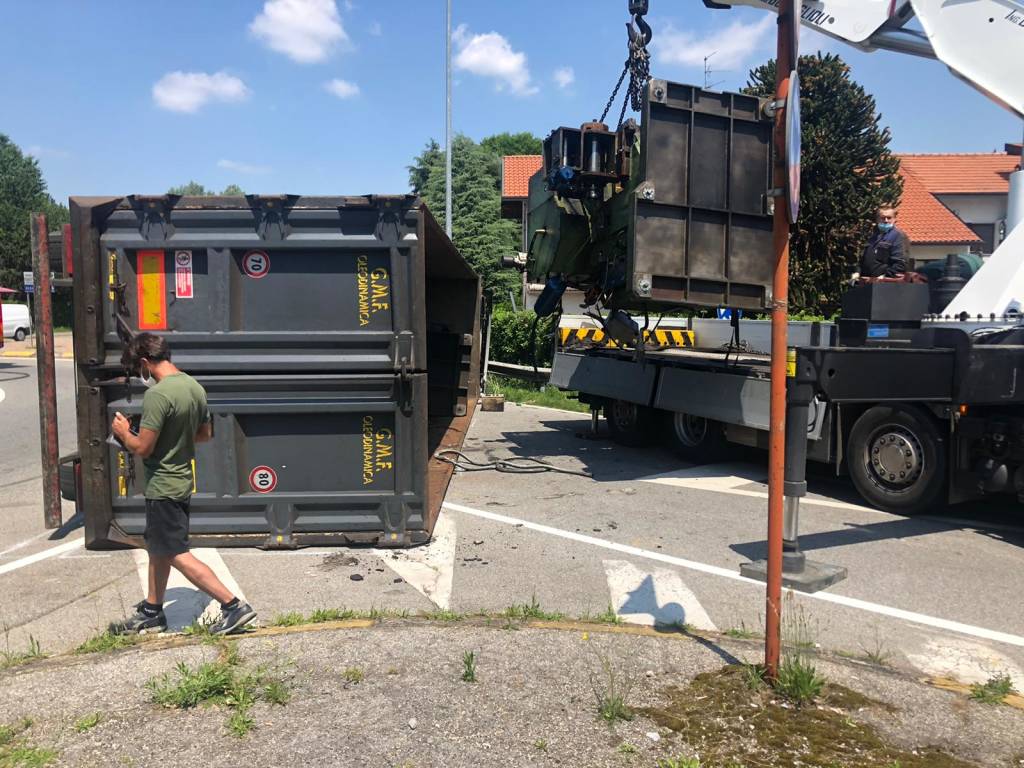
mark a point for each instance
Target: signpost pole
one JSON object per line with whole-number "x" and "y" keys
{"x": 785, "y": 63}
{"x": 46, "y": 370}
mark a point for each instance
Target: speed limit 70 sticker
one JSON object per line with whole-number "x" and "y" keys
{"x": 256, "y": 264}
{"x": 263, "y": 479}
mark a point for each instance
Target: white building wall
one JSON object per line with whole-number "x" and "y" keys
{"x": 923, "y": 253}
{"x": 976, "y": 209}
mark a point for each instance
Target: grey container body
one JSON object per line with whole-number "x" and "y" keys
{"x": 337, "y": 339}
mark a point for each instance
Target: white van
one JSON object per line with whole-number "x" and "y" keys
{"x": 17, "y": 321}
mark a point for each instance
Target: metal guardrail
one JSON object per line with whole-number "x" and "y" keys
{"x": 522, "y": 372}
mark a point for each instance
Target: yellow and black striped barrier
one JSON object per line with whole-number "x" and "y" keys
{"x": 657, "y": 337}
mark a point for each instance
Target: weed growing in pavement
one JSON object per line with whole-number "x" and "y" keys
{"x": 541, "y": 744}
{"x": 876, "y": 653}
{"x": 220, "y": 682}
{"x": 289, "y": 619}
{"x": 742, "y": 633}
{"x": 531, "y": 610}
{"x": 88, "y": 722}
{"x": 679, "y": 762}
{"x": 608, "y": 616}
{"x": 753, "y": 676}
{"x": 9, "y": 658}
{"x": 200, "y": 628}
{"x": 611, "y": 689}
{"x": 469, "y": 667}
{"x": 107, "y": 641}
{"x": 626, "y": 748}
{"x": 799, "y": 680}
{"x": 443, "y": 614}
{"x": 16, "y": 753}
{"x": 993, "y": 690}
{"x": 353, "y": 675}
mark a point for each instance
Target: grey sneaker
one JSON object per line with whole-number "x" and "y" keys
{"x": 233, "y": 620}
{"x": 139, "y": 623}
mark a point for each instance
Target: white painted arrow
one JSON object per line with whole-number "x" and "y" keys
{"x": 429, "y": 569}
{"x": 653, "y": 598}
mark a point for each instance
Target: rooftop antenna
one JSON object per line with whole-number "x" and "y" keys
{"x": 708, "y": 85}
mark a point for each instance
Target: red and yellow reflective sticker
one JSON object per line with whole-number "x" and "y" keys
{"x": 152, "y": 290}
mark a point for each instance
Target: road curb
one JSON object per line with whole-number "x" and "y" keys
{"x": 23, "y": 354}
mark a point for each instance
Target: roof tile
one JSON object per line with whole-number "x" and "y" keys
{"x": 963, "y": 174}
{"x": 925, "y": 220}
{"x": 516, "y": 171}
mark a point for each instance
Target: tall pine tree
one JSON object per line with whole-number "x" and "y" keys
{"x": 848, "y": 172}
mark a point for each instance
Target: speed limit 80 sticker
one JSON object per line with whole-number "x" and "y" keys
{"x": 263, "y": 479}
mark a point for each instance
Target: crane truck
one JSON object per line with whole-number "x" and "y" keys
{"x": 676, "y": 213}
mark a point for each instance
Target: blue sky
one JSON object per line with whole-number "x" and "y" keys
{"x": 318, "y": 96}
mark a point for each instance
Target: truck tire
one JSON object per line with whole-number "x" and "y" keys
{"x": 897, "y": 459}
{"x": 19, "y": 334}
{"x": 630, "y": 424}
{"x": 695, "y": 438}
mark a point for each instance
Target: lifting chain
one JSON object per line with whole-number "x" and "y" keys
{"x": 638, "y": 64}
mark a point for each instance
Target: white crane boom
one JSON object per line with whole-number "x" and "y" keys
{"x": 981, "y": 43}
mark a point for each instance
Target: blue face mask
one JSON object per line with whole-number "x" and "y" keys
{"x": 885, "y": 226}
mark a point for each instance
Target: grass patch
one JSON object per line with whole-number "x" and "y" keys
{"x": 531, "y": 610}
{"x": 541, "y": 744}
{"x": 993, "y": 690}
{"x": 9, "y": 658}
{"x": 799, "y": 680}
{"x": 15, "y": 752}
{"x": 607, "y": 616}
{"x": 611, "y": 689}
{"x": 442, "y": 614}
{"x": 534, "y": 394}
{"x": 223, "y": 682}
{"x": 88, "y": 722}
{"x": 713, "y": 715}
{"x": 469, "y": 667}
{"x": 625, "y": 748}
{"x": 107, "y": 641}
{"x": 742, "y": 633}
{"x": 353, "y": 675}
{"x": 289, "y": 619}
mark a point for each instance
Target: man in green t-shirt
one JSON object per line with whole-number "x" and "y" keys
{"x": 174, "y": 419}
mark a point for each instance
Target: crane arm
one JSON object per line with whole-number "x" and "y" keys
{"x": 979, "y": 40}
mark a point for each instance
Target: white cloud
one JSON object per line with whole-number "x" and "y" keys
{"x": 39, "y": 152}
{"x": 564, "y": 76}
{"x": 490, "y": 55}
{"x": 188, "y": 91}
{"x": 304, "y": 30}
{"x": 246, "y": 168}
{"x": 732, "y": 46}
{"x": 375, "y": 29}
{"x": 343, "y": 89}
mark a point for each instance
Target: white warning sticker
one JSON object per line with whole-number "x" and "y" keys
{"x": 256, "y": 264}
{"x": 263, "y": 479}
{"x": 183, "y": 274}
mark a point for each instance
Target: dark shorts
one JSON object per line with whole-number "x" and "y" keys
{"x": 166, "y": 527}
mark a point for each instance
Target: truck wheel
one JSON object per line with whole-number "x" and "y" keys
{"x": 19, "y": 334}
{"x": 629, "y": 423}
{"x": 66, "y": 472}
{"x": 695, "y": 438}
{"x": 897, "y": 459}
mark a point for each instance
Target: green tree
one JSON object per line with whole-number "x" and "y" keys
{"x": 195, "y": 189}
{"x": 847, "y": 172}
{"x": 478, "y": 230}
{"x": 22, "y": 191}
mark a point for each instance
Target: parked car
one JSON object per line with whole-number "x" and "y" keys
{"x": 17, "y": 321}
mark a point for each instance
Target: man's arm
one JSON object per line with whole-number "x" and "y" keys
{"x": 142, "y": 444}
{"x": 897, "y": 260}
{"x": 205, "y": 432}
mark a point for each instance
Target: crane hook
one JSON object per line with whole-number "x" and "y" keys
{"x": 640, "y": 36}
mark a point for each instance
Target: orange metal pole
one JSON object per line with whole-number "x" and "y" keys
{"x": 784, "y": 64}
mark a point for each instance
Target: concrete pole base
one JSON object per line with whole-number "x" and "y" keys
{"x": 814, "y": 576}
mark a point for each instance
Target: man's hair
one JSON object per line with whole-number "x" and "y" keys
{"x": 145, "y": 345}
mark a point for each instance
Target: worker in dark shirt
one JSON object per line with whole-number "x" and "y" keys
{"x": 885, "y": 254}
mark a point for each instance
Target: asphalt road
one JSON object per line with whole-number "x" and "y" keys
{"x": 658, "y": 541}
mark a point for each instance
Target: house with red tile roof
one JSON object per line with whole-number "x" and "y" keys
{"x": 955, "y": 203}
{"x": 516, "y": 171}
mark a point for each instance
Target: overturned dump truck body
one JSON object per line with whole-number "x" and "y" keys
{"x": 337, "y": 339}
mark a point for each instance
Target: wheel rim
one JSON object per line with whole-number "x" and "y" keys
{"x": 691, "y": 431}
{"x": 894, "y": 457}
{"x": 624, "y": 415}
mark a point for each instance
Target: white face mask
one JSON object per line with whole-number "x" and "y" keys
{"x": 147, "y": 380}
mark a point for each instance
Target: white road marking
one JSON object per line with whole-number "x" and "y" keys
{"x": 183, "y": 603}
{"x": 714, "y": 570}
{"x": 650, "y": 599}
{"x": 966, "y": 661}
{"x": 38, "y": 556}
{"x": 3, "y": 395}
{"x": 26, "y": 542}
{"x": 429, "y": 569}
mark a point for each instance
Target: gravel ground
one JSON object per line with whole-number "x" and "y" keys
{"x": 533, "y": 703}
